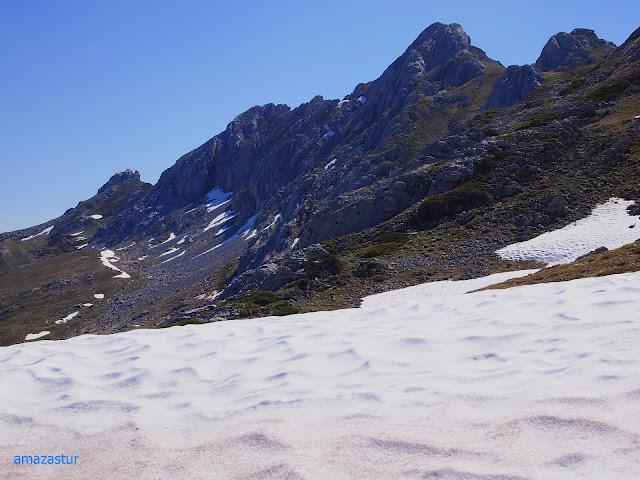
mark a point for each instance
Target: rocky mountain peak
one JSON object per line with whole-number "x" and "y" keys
{"x": 565, "y": 51}
{"x": 439, "y": 43}
{"x": 439, "y": 58}
{"x": 128, "y": 176}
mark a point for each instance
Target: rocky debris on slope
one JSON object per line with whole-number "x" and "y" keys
{"x": 515, "y": 85}
{"x": 565, "y": 51}
{"x": 280, "y": 270}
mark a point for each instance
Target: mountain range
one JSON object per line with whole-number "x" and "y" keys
{"x": 421, "y": 174}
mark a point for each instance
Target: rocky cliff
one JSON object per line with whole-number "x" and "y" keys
{"x": 419, "y": 174}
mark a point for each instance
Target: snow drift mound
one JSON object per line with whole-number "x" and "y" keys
{"x": 535, "y": 382}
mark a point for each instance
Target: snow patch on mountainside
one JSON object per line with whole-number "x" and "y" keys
{"x": 169, "y": 252}
{"x": 220, "y": 219}
{"x": 275, "y": 220}
{"x": 330, "y": 165}
{"x": 126, "y": 247}
{"x": 217, "y": 198}
{"x": 209, "y": 250}
{"x": 46, "y": 231}
{"x": 107, "y": 258}
{"x": 173, "y": 258}
{"x": 67, "y": 318}
{"x": 35, "y": 336}
{"x": 536, "y": 382}
{"x": 609, "y": 225}
{"x": 171, "y": 236}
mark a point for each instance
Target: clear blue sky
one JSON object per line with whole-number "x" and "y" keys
{"x": 89, "y": 88}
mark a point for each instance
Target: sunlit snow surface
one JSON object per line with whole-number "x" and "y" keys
{"x": 607, "y": 226}
{"x": 535, "y": 382}
{"x": 426, "y": 382}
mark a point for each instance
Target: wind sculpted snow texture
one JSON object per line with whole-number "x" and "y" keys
{"x": 609, "y": 225}
{"x": 534, "y": 382}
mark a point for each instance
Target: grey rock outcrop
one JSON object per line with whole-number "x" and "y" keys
{"x": 516, "y": 84}
{"x": 282, "y": 269}
{"x": 565, "y": 51}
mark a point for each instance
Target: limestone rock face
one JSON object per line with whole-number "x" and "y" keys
{"x": 318, "y": 165}
{"x": 514, "y": 85}
{"x": 565, "y": 51}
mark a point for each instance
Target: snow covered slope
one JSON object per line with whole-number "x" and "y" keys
{"x": 535, "y": 382}
{"x": 609, "y": 225}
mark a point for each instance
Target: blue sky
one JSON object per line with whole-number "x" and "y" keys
{"x": 89, "y": 88}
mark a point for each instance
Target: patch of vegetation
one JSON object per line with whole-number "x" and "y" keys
{"x": 489, "y": 114}
{"x": 572, "y": 87}
{"x": 386, "y": 243}
{"x": 538, "y": 119}
{"x": 608, "y": 90}
{"x": 367, "y": 269}
{"x": 258, "y": 297}
{"x": 260, "y": 303}
{"x": 587, "y": 114}
{"x": 321, "y": 265}
{"x": 224, "y": 276}
{"x": 436, "y": 209}
{"x": 182, "y": 323}
{"x": 300, "y": 284}
{"x": 282, "y": 308}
